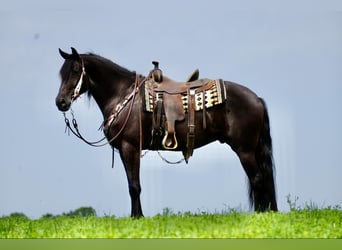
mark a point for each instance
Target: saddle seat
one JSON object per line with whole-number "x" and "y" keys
{"x": 172, "y": 87}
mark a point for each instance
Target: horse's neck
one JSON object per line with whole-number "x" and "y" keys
{"x": 109, "y": 91}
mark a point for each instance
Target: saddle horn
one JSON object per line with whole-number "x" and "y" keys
{"x": 157, "y": 74}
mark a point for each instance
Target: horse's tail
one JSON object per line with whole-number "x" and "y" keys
{"x": 266, "y": 193}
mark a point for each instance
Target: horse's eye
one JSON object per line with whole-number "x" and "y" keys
{"x": 76, "y": 67}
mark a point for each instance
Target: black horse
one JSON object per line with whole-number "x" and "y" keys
{"x": 241, "y": 121}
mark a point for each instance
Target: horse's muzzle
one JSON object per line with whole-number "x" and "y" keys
{"x": 63, "y": 104}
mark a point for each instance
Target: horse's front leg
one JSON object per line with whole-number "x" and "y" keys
{"x": 130, "y": 156}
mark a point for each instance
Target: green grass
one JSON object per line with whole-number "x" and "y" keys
{"x": 304, "y": 223}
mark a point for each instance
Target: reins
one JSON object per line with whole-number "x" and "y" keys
{"x": 76, "y": 131}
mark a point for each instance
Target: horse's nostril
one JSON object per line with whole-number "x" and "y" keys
{"x": 62, "y": 104}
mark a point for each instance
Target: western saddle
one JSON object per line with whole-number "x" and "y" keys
{"x": 170, "y": 101}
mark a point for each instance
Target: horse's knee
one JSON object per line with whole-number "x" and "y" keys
{"x": 134, "y": 189}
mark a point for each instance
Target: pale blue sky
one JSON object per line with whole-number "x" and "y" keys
{"x": 290, "y": 55}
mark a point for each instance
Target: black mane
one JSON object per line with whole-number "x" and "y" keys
{"x": 110, "y": 64}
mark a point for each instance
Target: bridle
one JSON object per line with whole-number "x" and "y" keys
{"x": 107, "y": 124}
{"x": 79, "y": 84}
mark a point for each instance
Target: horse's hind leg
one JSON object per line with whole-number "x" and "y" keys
{"x": 259, "y": 169}
{"x": 248, "y": 134}
{"x": 255, "y": 153}
{"x": 257, "y": 189}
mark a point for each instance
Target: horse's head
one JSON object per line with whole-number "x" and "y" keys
{"x": 73, "y": 80}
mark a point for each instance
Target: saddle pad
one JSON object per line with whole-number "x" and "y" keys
{"x": 214, "y": 96}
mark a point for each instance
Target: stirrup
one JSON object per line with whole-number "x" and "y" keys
{"x": 172, "y": 145}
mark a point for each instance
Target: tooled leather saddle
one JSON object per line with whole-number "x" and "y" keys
{"x": 171, "y": 101}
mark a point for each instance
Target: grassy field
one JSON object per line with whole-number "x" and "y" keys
{"x": 304, "y": 223}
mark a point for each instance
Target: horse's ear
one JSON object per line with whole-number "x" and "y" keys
{"x": 64, "y": 54}
{"x": 75, "y": 53}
